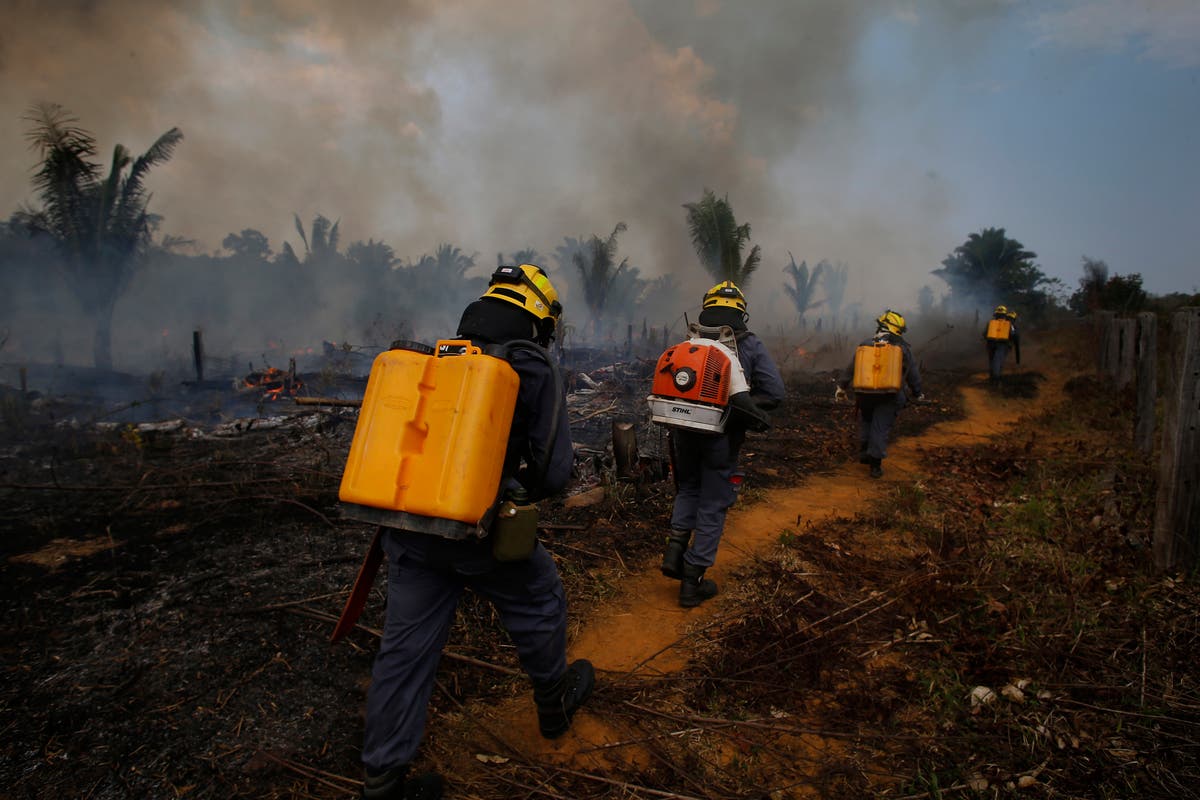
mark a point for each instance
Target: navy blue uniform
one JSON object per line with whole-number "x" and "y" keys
{"x": 428, "y": 574}
{"x": 877, "y": 412}
{"x": 705, "y": 463}
{"x": 998, "y": 351}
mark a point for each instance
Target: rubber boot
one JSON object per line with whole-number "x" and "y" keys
{"x": 876, "y": 467}
{"x": 396, "y": 785}
{"x": 557, "y": 702}
{"x": 694, "y": 589}
{"x": 677, "y": 545}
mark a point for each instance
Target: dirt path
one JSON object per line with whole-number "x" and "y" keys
{"x": 643, "y": 631}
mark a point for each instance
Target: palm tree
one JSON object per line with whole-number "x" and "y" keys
{"x": 527, "y": 255}
{"x": 989, "y": 267}
{"x": 804, "y": 285}
{"x": 434, "y": 289}
{"x": 99, "y": 224}
{"x": 719, "y": 240}
{"x": 834, "y": 283}
{"x": 595, "y": 264}
{"x": 925, "y": 301}
{"x": 324, "y": 239}
{"x": 626, "y": 291}
{"x": 442, "y": 277}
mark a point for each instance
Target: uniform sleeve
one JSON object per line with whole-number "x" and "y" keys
{"x": 766, "y": 383}
{"x": 847, "y": 375}
{"x": 540, "y": 453}
{"x": 912, "y": 374}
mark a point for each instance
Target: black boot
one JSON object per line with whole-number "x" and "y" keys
{"x": 677, "y": 545}
{"x": 694, "y": 589}
{"x": 557, "y": 702}
{"x": 396, "y": 785}
{"x": 876, "y": 467}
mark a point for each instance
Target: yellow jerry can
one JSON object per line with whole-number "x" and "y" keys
{"x": 998, "y": 330}
{"x": 878, "y": 368}
{"x": 432, "y": 432}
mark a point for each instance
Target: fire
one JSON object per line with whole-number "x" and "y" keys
{"x": 274, "y": 383}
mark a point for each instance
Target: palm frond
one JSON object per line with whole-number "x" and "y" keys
{"x": 303, "y": 235}
{"x": 334, "y": 236}
{"x": 67, "y": 174}
{"x": 133, "y": 193}
{"x": 753, "y": 258}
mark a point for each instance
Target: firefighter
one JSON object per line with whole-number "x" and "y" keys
{"x": 877, "y": 412}
{"x": 705, "y": 463}
{"x": 1001, "y": 334}
{"x": 427, "y": 574}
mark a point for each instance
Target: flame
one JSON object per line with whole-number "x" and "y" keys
{"x": 274, "y": 383}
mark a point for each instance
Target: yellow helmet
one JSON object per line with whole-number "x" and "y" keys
{"x": 526, "y": 286}
{"x": 1010, "y": 314}
{"x": 892, "y": 322}
{"x": 725, "y": 295}
{"x": 1001, "y": 311}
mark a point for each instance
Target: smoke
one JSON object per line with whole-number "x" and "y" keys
{"x": 498, "y": 126}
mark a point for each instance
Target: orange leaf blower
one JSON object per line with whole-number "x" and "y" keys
{"x": 699, "y": 383}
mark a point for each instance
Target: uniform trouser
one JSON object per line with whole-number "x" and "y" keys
{"x": 876, "y": 415}
{"x": 997, "y": 352}
{"x": 704, "y": 466}
{"x": 423, "y": 593}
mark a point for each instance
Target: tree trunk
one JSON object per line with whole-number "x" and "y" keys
{"x": 102, "y": 343}
{"x": 625, "y": 449}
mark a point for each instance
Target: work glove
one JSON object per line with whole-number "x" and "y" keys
{"x": 752, "y": 416}
{"x": 840, "y": 396}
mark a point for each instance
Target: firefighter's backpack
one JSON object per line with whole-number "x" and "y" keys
{"x": 429, "y": 445}
{"x": 695, "y": 379}
{"x": 999, "y": 330}
{"x": 878, "y": 368}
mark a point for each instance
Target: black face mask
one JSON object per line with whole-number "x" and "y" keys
{"x": 496, "y": 322}
{"x": 724, "y": 315}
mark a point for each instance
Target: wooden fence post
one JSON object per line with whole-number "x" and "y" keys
{"x": 1113, "y": 349}
{"x": 1126, "y": 351}
{"x": 1147, "y": 381}
{"x": 198, "y": 355}
{"x": 1177, "y": 508}
{"x": 1104, "y": 324}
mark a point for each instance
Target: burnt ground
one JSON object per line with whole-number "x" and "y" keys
{"x": 168, "y": 595}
